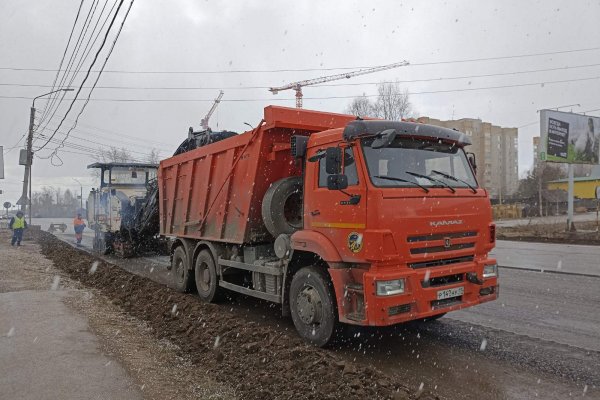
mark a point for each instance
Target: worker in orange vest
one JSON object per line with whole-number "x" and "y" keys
{"x": 79, "y": 226}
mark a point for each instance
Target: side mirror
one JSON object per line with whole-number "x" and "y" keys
{"x": 384, "y": 139}
{"x": 472, "y": 161}
{"x": 333, "y": 160}
{"x": 337, "y": 182}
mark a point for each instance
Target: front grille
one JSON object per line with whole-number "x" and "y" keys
{"x": 441, "y": 236}
{"x": 443, "y": 280}
{"x": 440, "y": 262}
{"x": 436, "y": 304}
{"x": 395, "y": 310}
{"x": 438, "y": 249}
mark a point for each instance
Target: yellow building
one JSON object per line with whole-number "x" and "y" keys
{"x": 584, "y": 187}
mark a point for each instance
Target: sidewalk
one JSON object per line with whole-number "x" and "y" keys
{"x": 47, "y": 349}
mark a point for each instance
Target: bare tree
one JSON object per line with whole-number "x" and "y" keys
{"x": 361, "y": 107}
{"x": 114, "y": 154}
{"x": 153, "y": 157}
{"x": 392, "y": 102}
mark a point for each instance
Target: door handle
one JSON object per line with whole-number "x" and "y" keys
{"x": 314, "y": 213}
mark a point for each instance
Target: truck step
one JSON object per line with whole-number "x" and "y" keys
{"x": 250, "y": 292}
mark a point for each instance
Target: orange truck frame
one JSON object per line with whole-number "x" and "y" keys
{"x": 339, "y": 220}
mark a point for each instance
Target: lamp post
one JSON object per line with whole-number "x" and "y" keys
{"x": 24, "y": 200}
{"x": 80, "y": 194}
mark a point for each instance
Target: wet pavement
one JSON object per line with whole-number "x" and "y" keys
{"x": 542, "y": 337}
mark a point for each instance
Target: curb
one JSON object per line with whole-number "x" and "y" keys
{"x": 550, "y": 271}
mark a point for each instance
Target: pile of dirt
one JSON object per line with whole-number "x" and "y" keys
{"x": 257, "y": 361}
{"x": 585, "y": 233}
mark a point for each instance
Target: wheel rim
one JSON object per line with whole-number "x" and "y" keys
{"x": 310, "y": 306}
{"x": 203, "y": 274}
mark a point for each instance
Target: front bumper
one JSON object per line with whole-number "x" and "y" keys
{"x": 359, "y": 304}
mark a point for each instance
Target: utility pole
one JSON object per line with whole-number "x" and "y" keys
{"x": 24, "y": 201}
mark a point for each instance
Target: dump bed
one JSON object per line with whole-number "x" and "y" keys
{"x": 215, "y": 192}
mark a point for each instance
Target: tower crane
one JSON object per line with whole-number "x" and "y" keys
{"x": 204, "y": 121}
{"x": 297, "y": 86}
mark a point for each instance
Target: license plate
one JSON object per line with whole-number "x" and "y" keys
{"x": 448, "y": 293}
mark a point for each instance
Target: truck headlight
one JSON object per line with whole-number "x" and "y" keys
{"x": 389, "y": 288}
{"x": 490, "y": 271}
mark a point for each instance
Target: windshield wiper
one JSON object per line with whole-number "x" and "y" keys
{"x": 431, "y": 179}
{"x": 391, "y": 178}
{"x": 445, "y": 175}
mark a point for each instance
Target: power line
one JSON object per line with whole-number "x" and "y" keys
{"x": 41, "y": 135}
{"x": 323, "y": 85}
{"x": 88, "y": 49}
{"x": 321, "y": 69}
{"x": 14, "y": 146}
{"x": 72, "y": 58}
{"x": 88, "y": 72}
{"x": 64, "y": 53}
{"x": 100, "y": 73}
{"x": 270, "y": 100}
{"x": 104, "y": 131}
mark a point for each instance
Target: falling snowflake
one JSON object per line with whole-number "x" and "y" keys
{"x": 483, "y": 345}
{"x": 174, "y": 309}
{"x": 11, "y": 332}
{"x": 55, "y": 282}
{"x": 93, "y": 268}
{"x": 217, "y": 342}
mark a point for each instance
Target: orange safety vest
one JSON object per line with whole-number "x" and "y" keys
{"x": 78, "y": 221}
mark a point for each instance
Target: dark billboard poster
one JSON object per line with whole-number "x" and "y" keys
{"x": 558, "y": 138}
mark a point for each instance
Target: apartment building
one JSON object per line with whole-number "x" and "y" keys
{"x": 496, "y": 152}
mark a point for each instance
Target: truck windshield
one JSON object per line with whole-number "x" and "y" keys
{"x": 427, "y": 163}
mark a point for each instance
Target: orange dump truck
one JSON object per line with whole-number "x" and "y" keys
{"x": 339, "y": 220}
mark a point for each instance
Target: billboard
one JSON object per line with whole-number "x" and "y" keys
{"x": 569, "y": 138}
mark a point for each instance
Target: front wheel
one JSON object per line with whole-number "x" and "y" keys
{"x": 312, "y": 305}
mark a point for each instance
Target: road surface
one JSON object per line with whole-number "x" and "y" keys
{"x": 544, "y": 328}
{"x": 549, "y": 257}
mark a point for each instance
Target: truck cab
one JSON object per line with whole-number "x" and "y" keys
{"x": 395, "y": 211}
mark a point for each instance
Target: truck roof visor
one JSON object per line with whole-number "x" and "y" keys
{"x": 358, "y": 129}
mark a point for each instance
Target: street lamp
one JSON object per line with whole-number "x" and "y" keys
{"x": 23, "y": 201}
{"x": 80, "y": 194}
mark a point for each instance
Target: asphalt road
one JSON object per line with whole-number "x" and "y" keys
{"x": 560, "y": 307}
{"x": 550, "y": 257}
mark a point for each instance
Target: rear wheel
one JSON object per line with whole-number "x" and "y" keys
{"x": 312, "y": 305}
{"x": 205, "y": 273}
{"x": 182, "y": 279}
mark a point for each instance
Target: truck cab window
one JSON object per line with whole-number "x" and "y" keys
{"x": 349, "y": 169}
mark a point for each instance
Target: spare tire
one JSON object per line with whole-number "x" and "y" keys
{"x": 282, "y": 206}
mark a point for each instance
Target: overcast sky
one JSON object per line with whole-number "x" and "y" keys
{"x": 220, "y": 36}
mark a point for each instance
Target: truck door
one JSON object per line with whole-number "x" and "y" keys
{"x": 331, "y": 212}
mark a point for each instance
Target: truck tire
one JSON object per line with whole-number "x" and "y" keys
{"x": 207, "y": 281}
{"x": 182, "y": 278}
{"x": 282, "y": 206}
{"x": 313, "y": 306}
